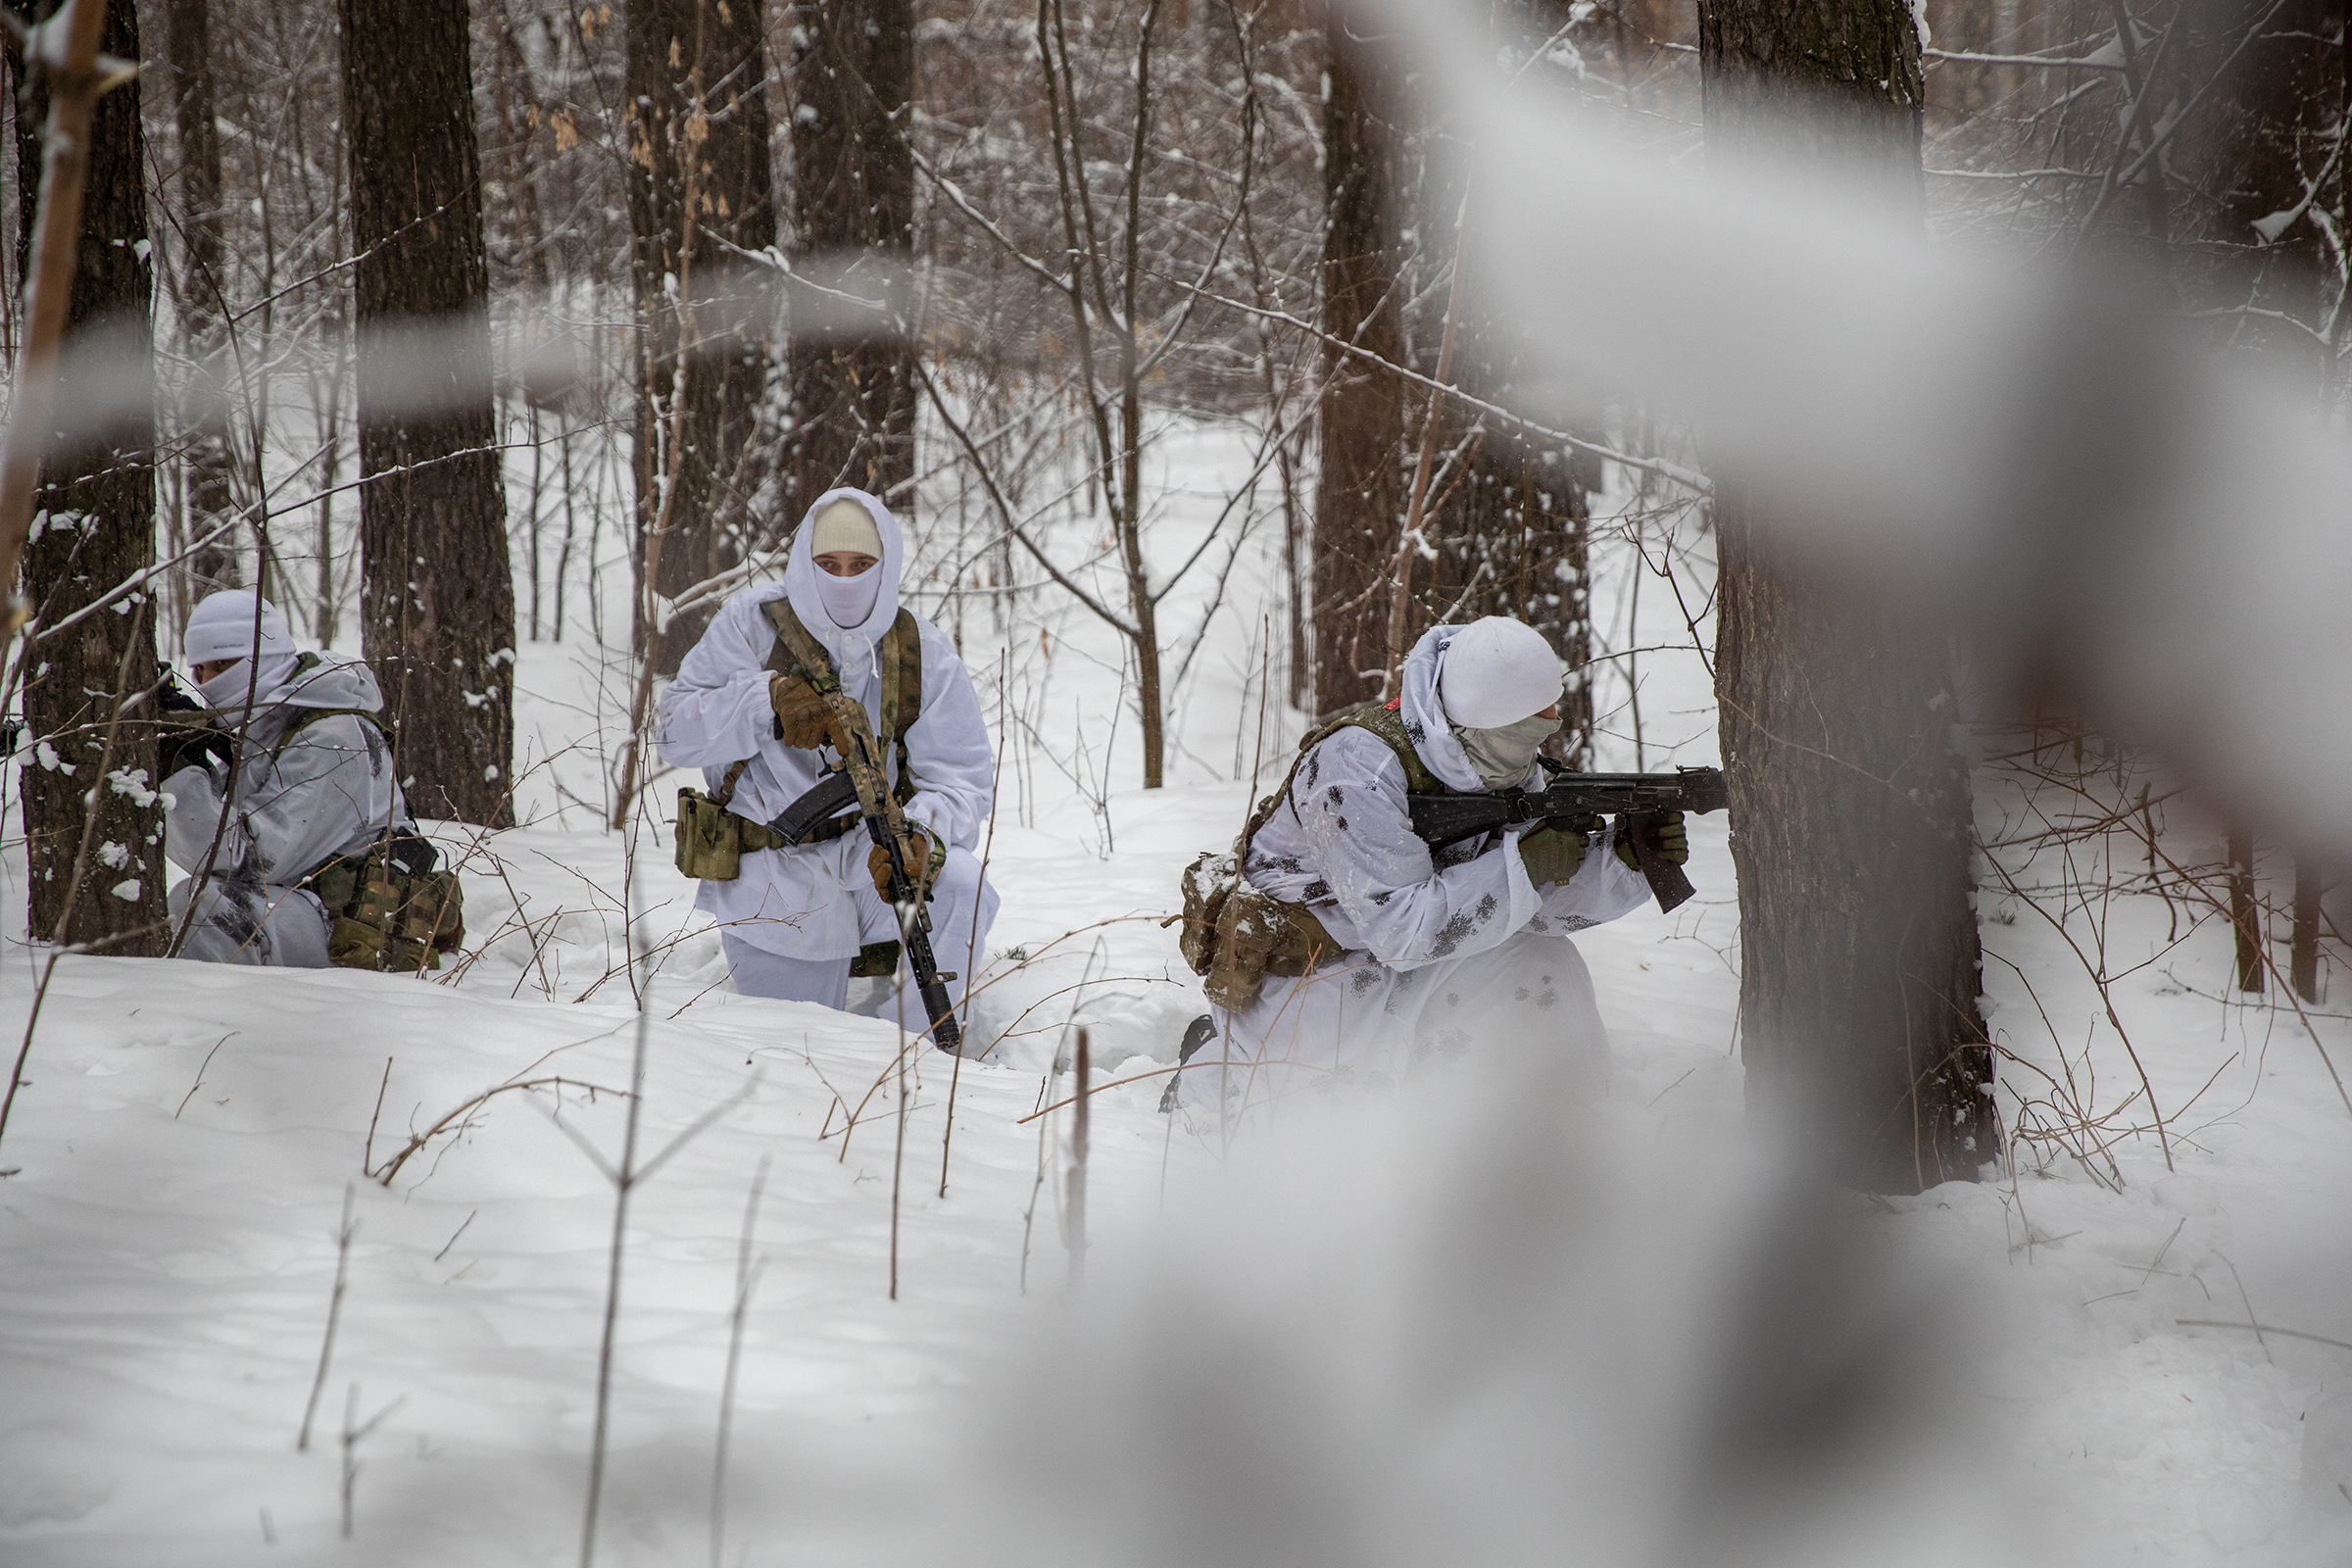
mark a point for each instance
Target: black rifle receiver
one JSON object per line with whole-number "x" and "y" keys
{"x": 1637, "y": 797}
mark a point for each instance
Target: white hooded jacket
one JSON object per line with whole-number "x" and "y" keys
{"x": 717, "y": 713}
{"x": 331, "y": 790}
{"x": 1344, "y": 843}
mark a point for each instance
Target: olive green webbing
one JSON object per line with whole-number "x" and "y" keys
{"x": 899, "y": 657}
{"x": 1385, "y": 722}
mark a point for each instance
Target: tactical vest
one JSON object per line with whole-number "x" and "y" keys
{"x": 712, "y": 839}
{"x": 1235, "y": 936}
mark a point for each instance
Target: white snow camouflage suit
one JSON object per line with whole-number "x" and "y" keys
{"x": 330, "y": 791}
{"x": 794, "y": 919}
{"x": 1441, "y": 950}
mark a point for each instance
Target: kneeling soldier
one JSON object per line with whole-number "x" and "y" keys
{"x": 283, "y": 799}
{"x": 797, "y": 919}
{"x": 1342, "y": 945}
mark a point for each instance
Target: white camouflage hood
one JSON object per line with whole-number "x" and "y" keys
{"x": 856, "y": 645}
{"x": 335, "y": 680}
{"x": 1425, "y": 715}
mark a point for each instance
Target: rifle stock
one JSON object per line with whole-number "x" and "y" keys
{"x": 1638, "y": 797}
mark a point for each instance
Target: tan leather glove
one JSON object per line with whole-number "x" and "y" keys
{"x": 803, "y": 720}
{"x": 925, "y": 853}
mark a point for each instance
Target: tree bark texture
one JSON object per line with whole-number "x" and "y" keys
{"x": 437, "y": 601}
{"x": 93, "y": 526}
{"x": 1851, "y": 813}
{"x": 852, "y": 371}
{"x": 202, "y": 299}
{"x": 698, "y": 173}
{"x": 1359, "y": 495}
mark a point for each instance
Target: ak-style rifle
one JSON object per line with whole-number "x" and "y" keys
{"x": 1638, "y": 799}
{"x": 862, "y": 783}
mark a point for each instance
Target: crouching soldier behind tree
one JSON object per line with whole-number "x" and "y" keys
{"x": 1348, "y": 950}
{"x": 285, "y": 809}
{"x": 796, "y": 921}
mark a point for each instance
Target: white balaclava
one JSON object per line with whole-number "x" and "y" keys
{"x": 1496, "y": 677}
{"x": 222, "y": 625}
{"x": 846, "y": 525}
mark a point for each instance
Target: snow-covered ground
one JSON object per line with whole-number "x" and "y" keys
{"x": 1462, "y": 1323}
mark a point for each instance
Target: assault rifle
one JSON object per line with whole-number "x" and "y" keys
{"x": 1575, "y": 798}
{"x": 860, "y": 782}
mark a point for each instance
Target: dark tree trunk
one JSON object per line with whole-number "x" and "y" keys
{"x": 852, "y": 382}
{"x": 1851, "y": 816}
{"x": 1360, "y": 494}
{"x": 437, "y": 599}
{"x": 698, "y": 172}
{"x": 2304, "y": 952}
{"x": 2246, "y": 910}
{"x": 95, "y": 526}
{"x": 202, "y": 308}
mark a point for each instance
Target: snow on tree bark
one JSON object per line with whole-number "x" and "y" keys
{"x": 93, "y": 526}
{"x": 1850, "y": 807}
{"x": 437, "y": 602}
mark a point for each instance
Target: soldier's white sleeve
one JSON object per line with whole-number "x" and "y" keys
{"x": 1603, "y": 888}
{"x": 716, "y": 712}
{"x": 1346, "y": 840}
{"x": 948, "y": 749}
{"x": 193, "y": 815}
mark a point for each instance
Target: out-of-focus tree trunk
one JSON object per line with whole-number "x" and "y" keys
{"x": 1851, "y": 817}
{"x": 1359, "y": 492}
{"x": 697, "y": 131}
{"x": 2304, "y": 952}
{"x": 95, "y": 526}
{"x": 852, "y": 372}
{"x": 437, "y": 598}
{"x": 203, "y": 307}
{"x": 2246, "y": 910}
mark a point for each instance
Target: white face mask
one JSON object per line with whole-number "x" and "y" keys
{"x": 1502, "y": 756}
{"x": 228, "y": 688}
{"x": 848, "y": 601}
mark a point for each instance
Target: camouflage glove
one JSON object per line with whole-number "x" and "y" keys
{"x": 1667, "y": 840}
{"x": 802, "y": 720}
{"x": 1551, "y": 855}
{"x": 925, "y": 856}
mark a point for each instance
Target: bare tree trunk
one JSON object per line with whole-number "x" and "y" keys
{"x": 853, "y": 381}
{"x": 2304, "y": 955}
{"x": 697, "y": 120}
{"x": 203, "y": 306}
{"x": 2246, "y": 910}
{"x": 1359, "y": 491}
{"x": 1851, "y": 830}
{"x": 94, "y": 519}
{"x": 438, "y": 590}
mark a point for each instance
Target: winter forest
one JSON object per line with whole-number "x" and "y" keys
{"x": 1932, "y": 413}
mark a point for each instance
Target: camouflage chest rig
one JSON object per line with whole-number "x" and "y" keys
{"x": 1235, "y": 936}
{"x": 713, "y": 840}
